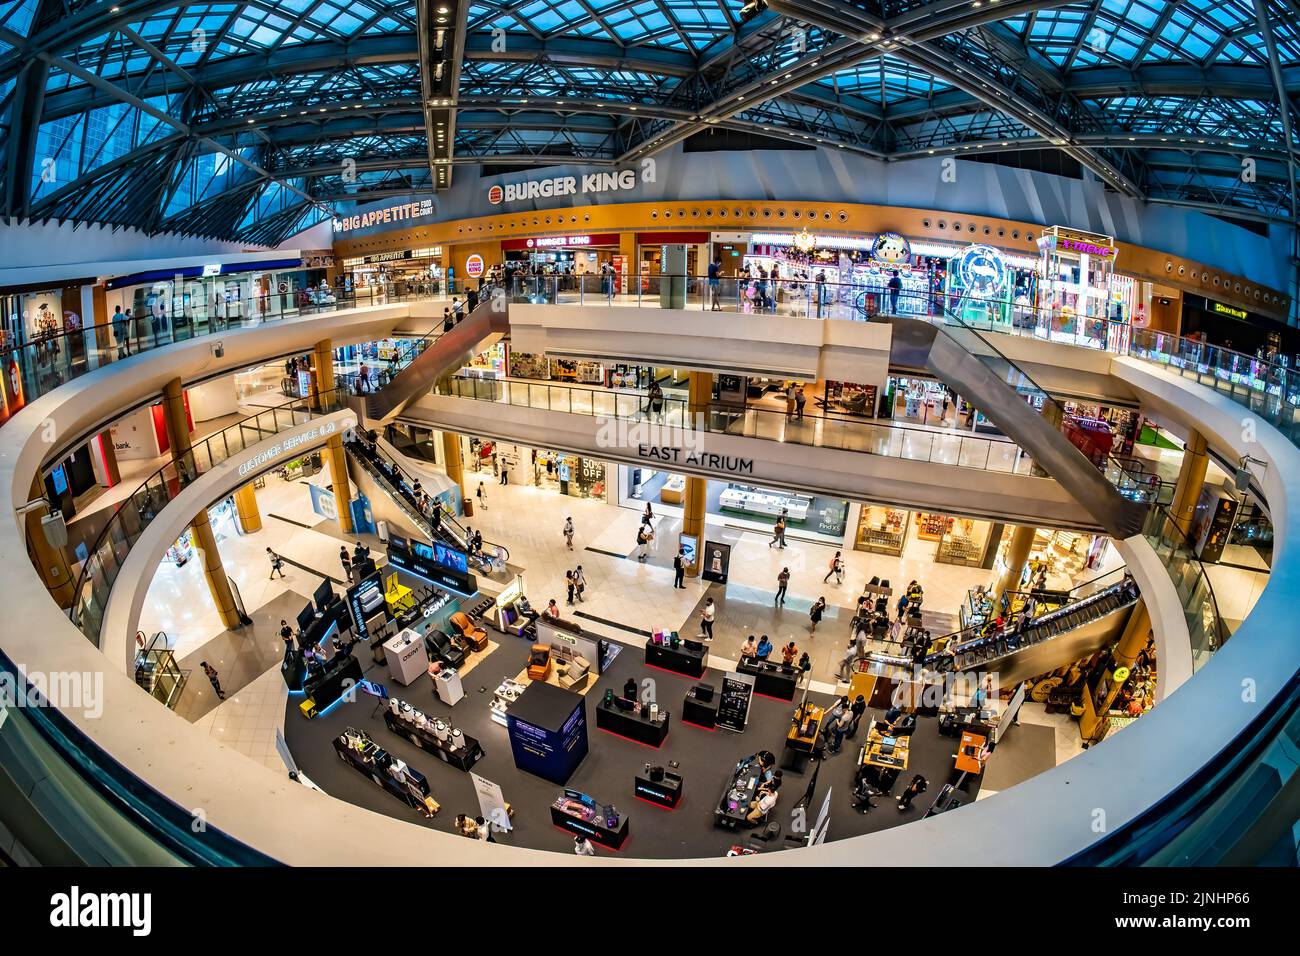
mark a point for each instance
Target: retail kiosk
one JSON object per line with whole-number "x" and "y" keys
{"x": 437, "y": 735}
{"x": 670, "y": 653}
{"x": 632, "y": 720}
{"x": 700, "y": 707}
{"x": 771, "y": 679}
{"x": 548, "y": 731}
{"x": 578, "y": 813}
{"x": 661, "y": 787}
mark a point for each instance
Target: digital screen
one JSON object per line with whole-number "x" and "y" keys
{"x": 60, "y": 479}
{"x": 451, "y": 559}
{"x": 395, "y": 541}
{"x": 690, "y": 545}
{"x": 422, "y": 550}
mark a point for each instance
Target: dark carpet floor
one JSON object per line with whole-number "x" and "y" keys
{"x": 607, "y": 772}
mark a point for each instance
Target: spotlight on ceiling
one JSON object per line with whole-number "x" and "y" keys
{"x": 751, "y": 9}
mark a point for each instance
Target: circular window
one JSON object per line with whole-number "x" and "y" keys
{"x": 1236, "y": 287}
{"x": 925, "y": 223}
{"x": 654, "y": 213}
{"x": 1183, "y": 269}
{"x": 780, "y": 214}
{"x": 586, "y": 218}
{"x": 1205, "y": 277}
{"x": 767, "y": 214}
{"x": 753, "y": 213}
{"x": 573, "y": 219}
{"x": 1169, "y": 267}
{"x": 942, "y": 224}
{"x": 1257, "y": 293}
{"x": 722, "y": 214}
{"x": 695, "y": 214}
{"x": 797, "y": 214}
{"x": 668, "y": 214}
{"x": 1015, "y": 233}
{"x": 988, "y": 231}
{"x": 708, "y": 213}
{"x": 1002, "y": 233}
{"x": 681, "y": 214}
{"x": 971, "y": 228}
{"x": 1216, "y": 280}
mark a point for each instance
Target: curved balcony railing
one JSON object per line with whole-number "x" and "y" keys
{"x": 939, "y": 446}
{"x": 51, "y": 360}
{"x": 134, "y": 515}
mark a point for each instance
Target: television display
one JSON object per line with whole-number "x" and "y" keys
{"x": 396, "y": 541}
{"x": 323, "y": 595}
{"x": 306, "y": 616}
{"x": 422, "y": 550}
{"x": 450, "y": 558}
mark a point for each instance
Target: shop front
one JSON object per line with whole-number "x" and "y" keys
{"x": 415, "y": 271}
{"x": 573, "y": 254}
{"x": 1082, "y": 300}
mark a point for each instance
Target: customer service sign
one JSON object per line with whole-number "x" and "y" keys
{"x": 296, "y": 440}
{"x": 605, "y": 181}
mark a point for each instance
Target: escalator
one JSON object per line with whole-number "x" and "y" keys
{"x": 387, "y": 477}
{"x": 422, "y": 362}
{"x": 966, "y": 362}
{"x": 1059, "y": 637}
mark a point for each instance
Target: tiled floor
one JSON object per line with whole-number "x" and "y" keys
{"x": 248, "y": 720}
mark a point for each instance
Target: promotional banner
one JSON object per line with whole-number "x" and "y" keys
{"x": 717, "y": 559}
{"x": 322, "y": 502}
{"x": 491, "y": 803}
{"x": 733, "y": 706}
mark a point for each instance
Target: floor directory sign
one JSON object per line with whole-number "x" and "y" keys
{"x": 733, "y": 708}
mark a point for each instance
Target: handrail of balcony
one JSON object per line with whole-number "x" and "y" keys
{"x": 138, "y": 510}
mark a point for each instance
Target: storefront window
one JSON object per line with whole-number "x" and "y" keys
{"x": 882, "y": 530}
{"x": 964, "y": 542}
{"x": 823, "y": 516}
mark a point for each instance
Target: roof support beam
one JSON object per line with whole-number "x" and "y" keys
{"x": 1288, "y": 136}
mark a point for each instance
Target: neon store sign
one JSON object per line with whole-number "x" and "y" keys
{"x": 1085, "y": 248}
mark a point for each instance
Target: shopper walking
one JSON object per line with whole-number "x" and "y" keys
{"x": 481, "y": 496}
{"x": 679, "y": 570}
{"x": 800, "y": 400}
{"x": 571, "y": 585}
{"x": 213, "y": 678}
{"x": 782, "y": 582}
{"x": 857, "y": 709}
{"x": 847, "y": 661}
{"x": 277, "y": 563}
{"x": 913, "y": 790}
{"x": 642, "y": 542}
{"x": 836, "y": 568}
{"x": 815, "y": 614}
{"x": 579, "y": 582}
{"x": 778, "y": 533}
{"x": 582, "y": 846}
{"x": 707, "y": 615}
{"x": 346, "y": 562}
{"x": 286, "y": 634}
{"x": 568, "y": 533}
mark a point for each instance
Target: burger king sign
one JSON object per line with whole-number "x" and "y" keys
{"x": 494, "y": 195}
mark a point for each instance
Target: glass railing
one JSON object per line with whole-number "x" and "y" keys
{"x": 1207, "y": 629}
{"x": 137, "y": 512}
{"x": 939, "y": 446}
{"x": 51, "y": 360}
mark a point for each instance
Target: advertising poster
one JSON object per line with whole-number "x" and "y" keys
{"x": 717, "y": 560}
{"x": 733, "y": 706}
{"x": 491, "y": 803}
{"x": 322, "y": 502}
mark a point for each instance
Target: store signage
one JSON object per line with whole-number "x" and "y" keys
{"x": 581, "y": 241}
{"x": 733, "y": 705}
{"x": 602, "y": 182}
{"x": 474, "y": 266}
{"x": 293, "y": 441}
{"x": 824, "y": 242}
{"x": 891, "y": 249}
{"x": 394, "y": 256}
{"x": 1219, "y": 308}
{"x": 212, "y": 269}
{"x": 982, "y": 271}
{"x": 1085, "y": 248}
{"x": 389, "y": 214}
{"x": 697, "y": 459}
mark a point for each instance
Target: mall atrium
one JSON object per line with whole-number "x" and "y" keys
{"x": 617, "y": 432}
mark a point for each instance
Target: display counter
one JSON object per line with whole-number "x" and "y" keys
{"x": 754, "y": 501}
{"x": 733, "y": 809}
{"x": 580, "y": 814}
{"x": 629, "y": 719}
{"x": 406, "y": 658}
{"x": 363, "y": 755}
{"x": 689, "y": 657}
{"x": 328, "y": 684}
{"x": 771, "y": 679}
{"x": 700, "y": 707}
{"x": 660, "y": 787}
{"x": 435, "y": 735}
{"x": 800, "y": 742}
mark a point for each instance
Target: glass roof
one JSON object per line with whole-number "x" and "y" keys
{"x": 295, "y": 87}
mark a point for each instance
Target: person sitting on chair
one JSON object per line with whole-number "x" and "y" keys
{"x": 762, "y": 806}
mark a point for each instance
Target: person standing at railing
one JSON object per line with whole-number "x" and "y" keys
{"x": 715, "y": 284}
{"x": 895, "y": 289}
{"x": 820, "y": 282}
{"x": 121, "y": 324}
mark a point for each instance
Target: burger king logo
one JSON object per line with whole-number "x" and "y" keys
{"x": 494, "y": 195}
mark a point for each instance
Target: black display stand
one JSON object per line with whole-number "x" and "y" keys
{"x": 328, "y": 685}
{"x": 733, "y": 809}
{"x": 666, "y": 793}
{"x": 638, "y": 728}
{"x": 701, "y": 713}
{"x": 462, "y": 758}
{"x": 771, "y": 680}
{"x": 368, "y": 765}
{"x": 595, "y": 832}
{"x": 679, "y": 660}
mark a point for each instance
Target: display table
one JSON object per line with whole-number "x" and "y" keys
{"x": 771, "y": 679}
{"x": 328, "y": 684}
{"x": 762, "y": 503}
{"x": 635, "y": 725}
{"x": 369, "y": 759}
{"x": 584, "y": 819}
{"x": 802, "y": 739}
{"x": 733, "y": 808}
{"x": 701, "y": 713}
{"x": 679, "y": 660}
{"x": 666, "y": 793}
{"x": 405, "y": 656}
{"x": 461, "y": 757}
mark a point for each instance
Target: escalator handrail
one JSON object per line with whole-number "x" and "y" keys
{"x": 948, "y": 315}
{"x": 423, "y": 521}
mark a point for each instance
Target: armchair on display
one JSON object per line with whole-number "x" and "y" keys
{"x": 473, "y": 635}
{"x": 573, "y": 673}
{"x": 539, "y": 662}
